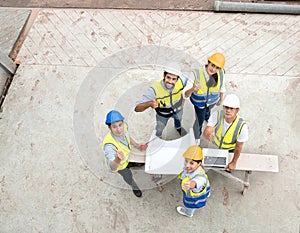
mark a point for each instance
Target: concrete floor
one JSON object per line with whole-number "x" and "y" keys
{"x": 78, "y": 64}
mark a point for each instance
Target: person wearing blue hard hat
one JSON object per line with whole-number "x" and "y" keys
{"x": 117, "y": 145}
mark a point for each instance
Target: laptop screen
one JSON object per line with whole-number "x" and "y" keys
{"x": 215, "y": 157}
{"x": 214, "y": 161}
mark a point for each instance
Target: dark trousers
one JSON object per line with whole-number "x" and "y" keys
{"x": 127, "y": 174}
{"x": 201, "y": 115}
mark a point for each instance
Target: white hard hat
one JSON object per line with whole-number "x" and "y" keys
{"x": 173, "y": 68}
{"x": 231, "y": 101}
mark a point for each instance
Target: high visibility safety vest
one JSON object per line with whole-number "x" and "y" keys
{"x": 168, "y": 103}
{"x": 229, "y": 139}
{"x": 191, "y": 199}
{"x": 206, "y": 95}
{"x": 120, "y": 146}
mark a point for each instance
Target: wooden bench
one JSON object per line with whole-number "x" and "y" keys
{"x": 249, "y": 163}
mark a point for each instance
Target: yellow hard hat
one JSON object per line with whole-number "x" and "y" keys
{"x": 217, "y": 59}
{"x": 193, "y": 152}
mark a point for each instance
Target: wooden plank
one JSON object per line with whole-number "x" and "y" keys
{"x": 256, "y": 162}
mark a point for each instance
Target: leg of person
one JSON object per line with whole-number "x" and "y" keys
{"x": 134, "y": 164}
{"x": 156, "y": 178}
{"x": 199, "y": 119}
{"x": 188, "y": 212}
{"x": 207, "y": 111}
{"x": 161, "y": 123}
{"x": 127, "y": 176}
{"x": 177, "y": 123}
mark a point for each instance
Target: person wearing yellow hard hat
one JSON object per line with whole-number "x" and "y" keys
{"x": 206, "y": 89}
{"x": 227, "y": 129}
{"x": 117, "y": 145}
{"x": 165, "y": 97}
{"x": 194, "y": 182}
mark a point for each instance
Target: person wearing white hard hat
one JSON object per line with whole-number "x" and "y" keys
{"x": 165, "y": 97}
{"x": 206, "y": 89}
{"x": 227, "y": 130}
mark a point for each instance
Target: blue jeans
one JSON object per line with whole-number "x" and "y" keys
{"x": 201, "y": 115}
{"x": 161, "y": 122}
{"x": 189, "y": 211}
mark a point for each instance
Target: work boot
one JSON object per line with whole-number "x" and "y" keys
{"x": 181, "y": 131}
{"x": 137, "y": 192}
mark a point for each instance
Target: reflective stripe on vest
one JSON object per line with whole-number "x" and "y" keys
{"x": 229, "y": 139}
{"x": 109, "y": 139}
{"x": 206, "y": 95}
{"x": 196, "y": 202}
{"x": 168, "y": 103}
{"x": 191, "y": 199}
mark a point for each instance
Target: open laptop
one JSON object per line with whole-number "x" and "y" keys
{"x": 215, "y": 158}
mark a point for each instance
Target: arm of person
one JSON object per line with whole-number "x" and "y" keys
{"x": 222, "y": 91}
{"x": 189, "y": 185}
{"x": 190, "y": 87}
{"x": 134, "y": 143}
{"x": 236, "y": 155}
{"x": 189, "y": 91}
{"x": 148, "y": 100}
{"x": 143, "y": 106}
{"x": 116, "y": 162}
{"x": 137, "y": 145}
{"x": 209, "y": 131}
{"x": 221, "y": 99}
{"x": 113, "y": 156}
{"x": 196, "y": 184}
{"x": 243, "y": 137}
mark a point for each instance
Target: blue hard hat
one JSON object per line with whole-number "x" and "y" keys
{"x": 113, "y": 116}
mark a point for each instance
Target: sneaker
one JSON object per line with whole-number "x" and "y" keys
{"x": 181, "y": 210}
{"x": 137, "y": 192}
